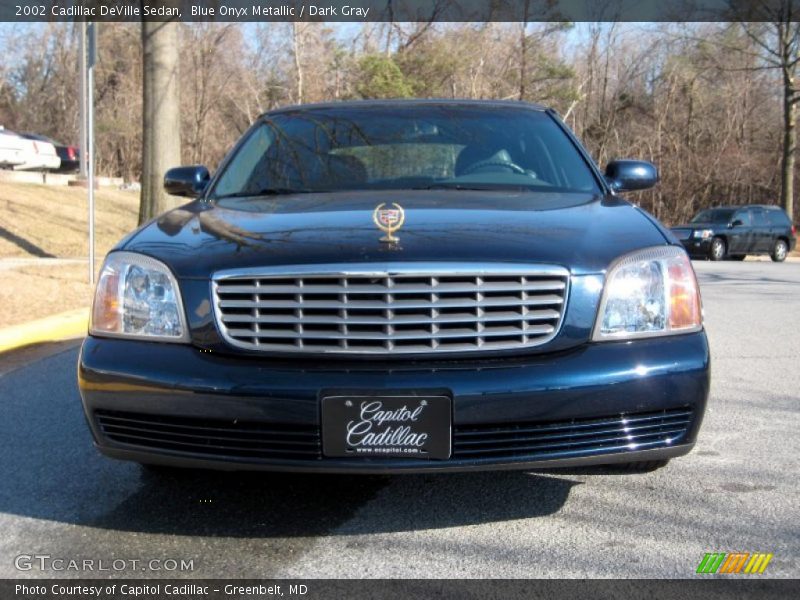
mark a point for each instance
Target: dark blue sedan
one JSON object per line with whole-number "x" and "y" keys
{"x": 399, "y": 286}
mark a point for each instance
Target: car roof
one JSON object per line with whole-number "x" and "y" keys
{"x": 39, "y": 137}
{"x": 407, "y": 102}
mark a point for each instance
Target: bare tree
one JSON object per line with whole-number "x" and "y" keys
{"x": 701, "y": 100}
{"x": 774, "y": 30}
{"x": 206, "y": 90}
{"x": 298, "y": 42}
{"x": 161, "y": 141}
{"x": 780, "y": 40}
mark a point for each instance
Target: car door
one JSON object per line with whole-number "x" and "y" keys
{"x": 740, "y": 233}
{"x": 762, "y": 238}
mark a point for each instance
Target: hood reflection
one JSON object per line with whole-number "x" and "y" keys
{"x": 206, "y": 221}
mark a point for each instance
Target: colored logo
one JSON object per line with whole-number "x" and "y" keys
{"x": 734, "y": 563}
{"x": 389, "y": 220}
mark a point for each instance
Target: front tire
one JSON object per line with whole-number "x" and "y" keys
{"x": 718, "y": 249}
{"x": 779, "y": 251}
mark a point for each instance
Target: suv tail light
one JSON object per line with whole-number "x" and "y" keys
{"x": 794, "y": 229}
{"x": 71, "y": 152}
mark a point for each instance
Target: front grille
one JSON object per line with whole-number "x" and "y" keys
{"x": 262, "y": 442}
{"x": 211, "y": 437}
{"x": 413, "y": 308}
{"x": 579, "y": 437}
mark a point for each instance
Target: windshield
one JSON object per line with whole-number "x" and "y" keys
{"x": 714, "y": 215}
{"x": 406, "y": 147}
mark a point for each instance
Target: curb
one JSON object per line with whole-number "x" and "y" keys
{"x": 791, "y": 258}
{"x": 66, "y": 325}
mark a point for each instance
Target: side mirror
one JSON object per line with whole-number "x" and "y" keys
{"x": 736, "y": 223}
{"x": 190, "y": 182}
{"x": 629, "y": 175}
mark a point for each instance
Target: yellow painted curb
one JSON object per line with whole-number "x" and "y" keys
{"x": 70, "y": 324}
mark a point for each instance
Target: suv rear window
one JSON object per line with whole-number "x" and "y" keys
{"x": 778, "y": 218}
{"x": 714, "y": 215}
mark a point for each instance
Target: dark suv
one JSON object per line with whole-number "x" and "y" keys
{"x": 736, "y": 231}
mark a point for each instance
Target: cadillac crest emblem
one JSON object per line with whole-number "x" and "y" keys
{"x": 389, "y": 220}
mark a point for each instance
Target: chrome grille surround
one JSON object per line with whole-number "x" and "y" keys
{"x": 390, "y": 308}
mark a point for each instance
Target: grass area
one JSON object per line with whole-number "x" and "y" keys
{"x": 41, "y": 220}
{"x": 38, "y": 221}
{"x": 34, "y": 292}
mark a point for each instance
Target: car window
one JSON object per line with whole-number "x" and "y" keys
{"x": 384, "y": 162}
{"x": 714, "y": 215}
{"x": 778, "y": 218}
{"x": 759, "y": 218}
{"x": 406, "y": 147}
{"x": 744, "y": 217}
{"x": 249, "y": 159}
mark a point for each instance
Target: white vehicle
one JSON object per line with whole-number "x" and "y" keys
{"x": 12, "y": 151}
{"x": 38, "y": 155}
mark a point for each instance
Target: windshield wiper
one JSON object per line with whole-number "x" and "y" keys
{"x": 275, "y": 191}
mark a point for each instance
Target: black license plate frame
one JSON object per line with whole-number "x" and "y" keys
{"x": 387, "y": 426}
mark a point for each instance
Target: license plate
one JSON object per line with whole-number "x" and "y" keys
{"x": 387, "y": 426}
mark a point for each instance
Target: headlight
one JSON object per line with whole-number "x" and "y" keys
{"x": 138, "y": 297}
{"x": 703, "y": 233}
{"x": 648, "y": 293}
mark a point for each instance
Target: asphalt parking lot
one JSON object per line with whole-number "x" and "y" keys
{"x": 738, "y": 490}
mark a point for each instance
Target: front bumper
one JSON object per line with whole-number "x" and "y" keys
{"x": 596, "y": 404}
{"x": 696, "y": 247}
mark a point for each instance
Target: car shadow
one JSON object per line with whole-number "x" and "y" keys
{"x": 51, "y": 471}
{"x": 288, "y": 505}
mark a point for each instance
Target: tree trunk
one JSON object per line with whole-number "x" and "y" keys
{"x": 161, "y": 142}
{"x": 591, "y": 63}
{"x": 297, "y": 46}
{"x": 523, "y": 50}
{"x": 789, "y": 143}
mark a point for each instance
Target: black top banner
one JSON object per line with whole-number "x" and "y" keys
{"x": 400, "y": 10}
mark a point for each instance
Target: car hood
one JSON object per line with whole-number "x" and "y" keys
{"x": 579, "y": 231}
